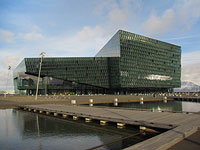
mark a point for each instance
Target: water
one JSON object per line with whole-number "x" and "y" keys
{"x": 26, "y": 130}
{"x": 176, "y": 106}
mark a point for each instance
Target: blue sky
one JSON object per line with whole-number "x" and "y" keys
{"x": 82, "y": 27}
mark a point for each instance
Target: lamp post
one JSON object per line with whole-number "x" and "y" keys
{"x": 9, "y": 68}
{"x": 42, "y": 55}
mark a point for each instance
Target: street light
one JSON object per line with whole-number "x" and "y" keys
{"x": 9, "y": 68}
{"x": 42, "y": 55}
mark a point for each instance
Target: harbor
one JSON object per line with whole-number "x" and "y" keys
{"x": 177, "y": 125}
{"x": 100, "y": 75}
{"x": 181, "y": 125}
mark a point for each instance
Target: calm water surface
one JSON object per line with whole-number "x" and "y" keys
{"x": 26, "y": 130}
{"x": 177, "y": 106}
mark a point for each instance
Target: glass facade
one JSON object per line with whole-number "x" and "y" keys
{"x": 148, "y": 63}
{"x": 127, "y": 63}
{"x": 112, "y": 48}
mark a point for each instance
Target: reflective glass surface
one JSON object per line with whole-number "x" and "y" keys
{"x": 148, "y": 63}
{"x": 112, "y": 48}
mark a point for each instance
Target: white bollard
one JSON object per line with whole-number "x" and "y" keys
{"x": 73, "y": 102}
{"x": 75, "y": 117}
{"x": 88, "y": 119}
{"x": 143, "y": 128}
{"x": 91, "y": 102}
{"x": 115, "y": 102}
{"x": 64, "y": 116}
{"x": 165, "y": 99}
{"x": 141, "y": 100}
{"x": 103, "y": 122}
{"x": 55, "y": 114}
{"x": 120, "y": 125}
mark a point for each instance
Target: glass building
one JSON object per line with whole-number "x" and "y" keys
{"x": 128, "y": 63}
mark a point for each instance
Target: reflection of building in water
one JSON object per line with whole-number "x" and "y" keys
{"x": 69, "y": 130}
{"x": 161, "y": 106}
{"x": 127, "y": 63}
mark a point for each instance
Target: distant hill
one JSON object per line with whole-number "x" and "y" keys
{"x": 187, "y": 87}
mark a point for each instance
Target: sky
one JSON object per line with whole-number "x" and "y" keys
{"x": 81, "y": 28}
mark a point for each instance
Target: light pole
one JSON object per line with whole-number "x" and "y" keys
{"x": 42, "y": 55}
{"x": 9, "y": 68}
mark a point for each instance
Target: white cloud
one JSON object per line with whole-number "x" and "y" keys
{"x": 88, "y": 33}
{"x": 31, "y": 36}
{"x": 158, "y": 25}
{"x": 191, "y": 58}
{"x": 179, "y": 18}
{"x": 85, "y": 42}
{"x": 117, "y": 15}
{"x": 6, "y": 36}
{"x": 191, "y": 67}
{"x": 88, "y": 40}
{"x": 34, "y": 35}
{"x": 191, "y": 72}
{"x": 6, "y": 82}
{"x": 184, "y": 37}
{"x": 10, "y": 61}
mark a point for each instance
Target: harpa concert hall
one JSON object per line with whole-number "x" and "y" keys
{"x": 128, "y": 63}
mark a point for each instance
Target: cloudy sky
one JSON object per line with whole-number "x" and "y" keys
{"x": 82, "y": 27}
